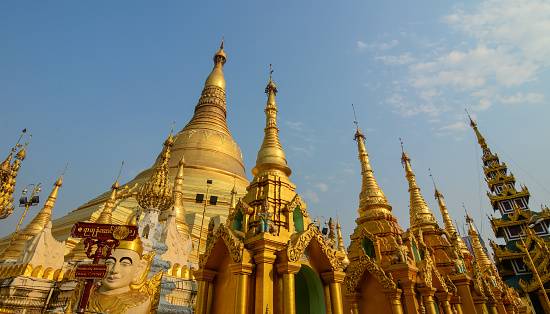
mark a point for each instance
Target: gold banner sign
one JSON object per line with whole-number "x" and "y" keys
{"x": 104, "y": 231}
{"x": 90, "y": 271}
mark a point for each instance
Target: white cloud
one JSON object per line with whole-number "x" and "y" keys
{"x": 311, "y": 196}
{"x": 483, "y": 105}
{"x": 376, "y": 46}
{"x": 322, "y": 186}
{"x": 397, "y": 60}
{"x": 457, "y": 126}
{"x": 520, "y": 98}
{"x": 506, "y": 46}
{"x": 302, "y": 150}
{"x": 295, "y": 125}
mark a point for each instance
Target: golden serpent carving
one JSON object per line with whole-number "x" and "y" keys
{"x": 234, "y": 245}
{"x": 295, "y": 251}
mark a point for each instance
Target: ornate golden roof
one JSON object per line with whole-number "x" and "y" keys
{"x": 420, "y": 213}
{"x": 157, "y": 191}
{"x": 271, "y": 155}
{"x": 481, "y": 258}
{"x": 372, "y": 200}
{"x": 480, "y": 138}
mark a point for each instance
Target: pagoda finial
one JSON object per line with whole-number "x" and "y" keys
{"x": 481, "y": 258}
{"x": 420, "y": 213}
{"x": 216, "y": 77}
{"x": 271, "y": 155}
{"x": 157, "y": 191}
{"x": 371, "y": 196}
{"x": 480, "y": 138}
{"x": 105, "y": 217}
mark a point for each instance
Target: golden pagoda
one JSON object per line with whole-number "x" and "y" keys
{"x": 516, "y": 217}
{"x": 269, "y": 257}
{"x": 8, "y": 174}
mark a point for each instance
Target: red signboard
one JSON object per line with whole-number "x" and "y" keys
{"x": 90, "y": 271}
{"x": 104, "y": 231}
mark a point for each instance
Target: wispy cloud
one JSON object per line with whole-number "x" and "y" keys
{"x": 376, "y": 46}
{"x": 303, "y": 150}
{"x": 322, "y": 186}
{"x": 297, "y": 126}
{"x": 506, "y": 47}
{"x": 519, "y": 98}
{"x": 312, "y": 196}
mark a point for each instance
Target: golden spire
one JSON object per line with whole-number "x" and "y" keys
{"x": 8, "y": 174}
{"x": 481, "y": 258}
{"x": 480, "y": 138}
{"x": 371, "y": 196}
{"x": 449, "y": 226}
{"x": 216, "y": 77}
{"x": 420, "y": 213}
{"x": 157, "y": 192}
{"x": 179, "y": 208}
{"x": 341, "y": 248}
{"x": 36, "y": 225}
{"x": 271, "y": 155}
{"x": 233, "y": 201}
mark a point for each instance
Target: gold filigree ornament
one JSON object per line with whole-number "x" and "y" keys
{"x": 233, "y": 244}
{"x": 355, "y": 271}
{"x": 295, "y": 251}
{"x": 121, "y": 232}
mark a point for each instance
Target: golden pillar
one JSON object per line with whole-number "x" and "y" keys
{"x": 353, "y": 300}
{"x": 445, "y": 298}
{"x": 405, "y": 274}
{"x": 456, "y": 303}
{"x": 462, "y": 283}
{"x": 427, "y": 294}
{"x": 395, "y": 300}
{"x": 333, "y": 279}
{"x": 479, "y": 302}
{"x": 288, "y": 270}
{"x": 242, "y": 271}
{"x": 328, "y": 306}
{"x": 204, "y": 277}
{"x": 492, "y": 306}
{"x": 264, "y": 279}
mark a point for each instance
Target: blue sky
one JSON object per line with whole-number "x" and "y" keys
{"x": 101, "y": 82}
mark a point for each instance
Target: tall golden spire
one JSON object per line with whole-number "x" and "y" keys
{"x": 449, "y": 226}
{"x": 271, "y": 155}
{"x": 157, "y": 192}
{"x": 233, "y": 201}
{"x": 420, "y": 213}
{"x": 179, "y": 208}
{"x": 371, "y": 197}
{"x": 36, "y": 225}
{"x": 340, "y": 241}
{"x": 481, "y": 258}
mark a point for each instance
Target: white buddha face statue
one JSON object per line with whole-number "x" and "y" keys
{"x": 124, "y": 267}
